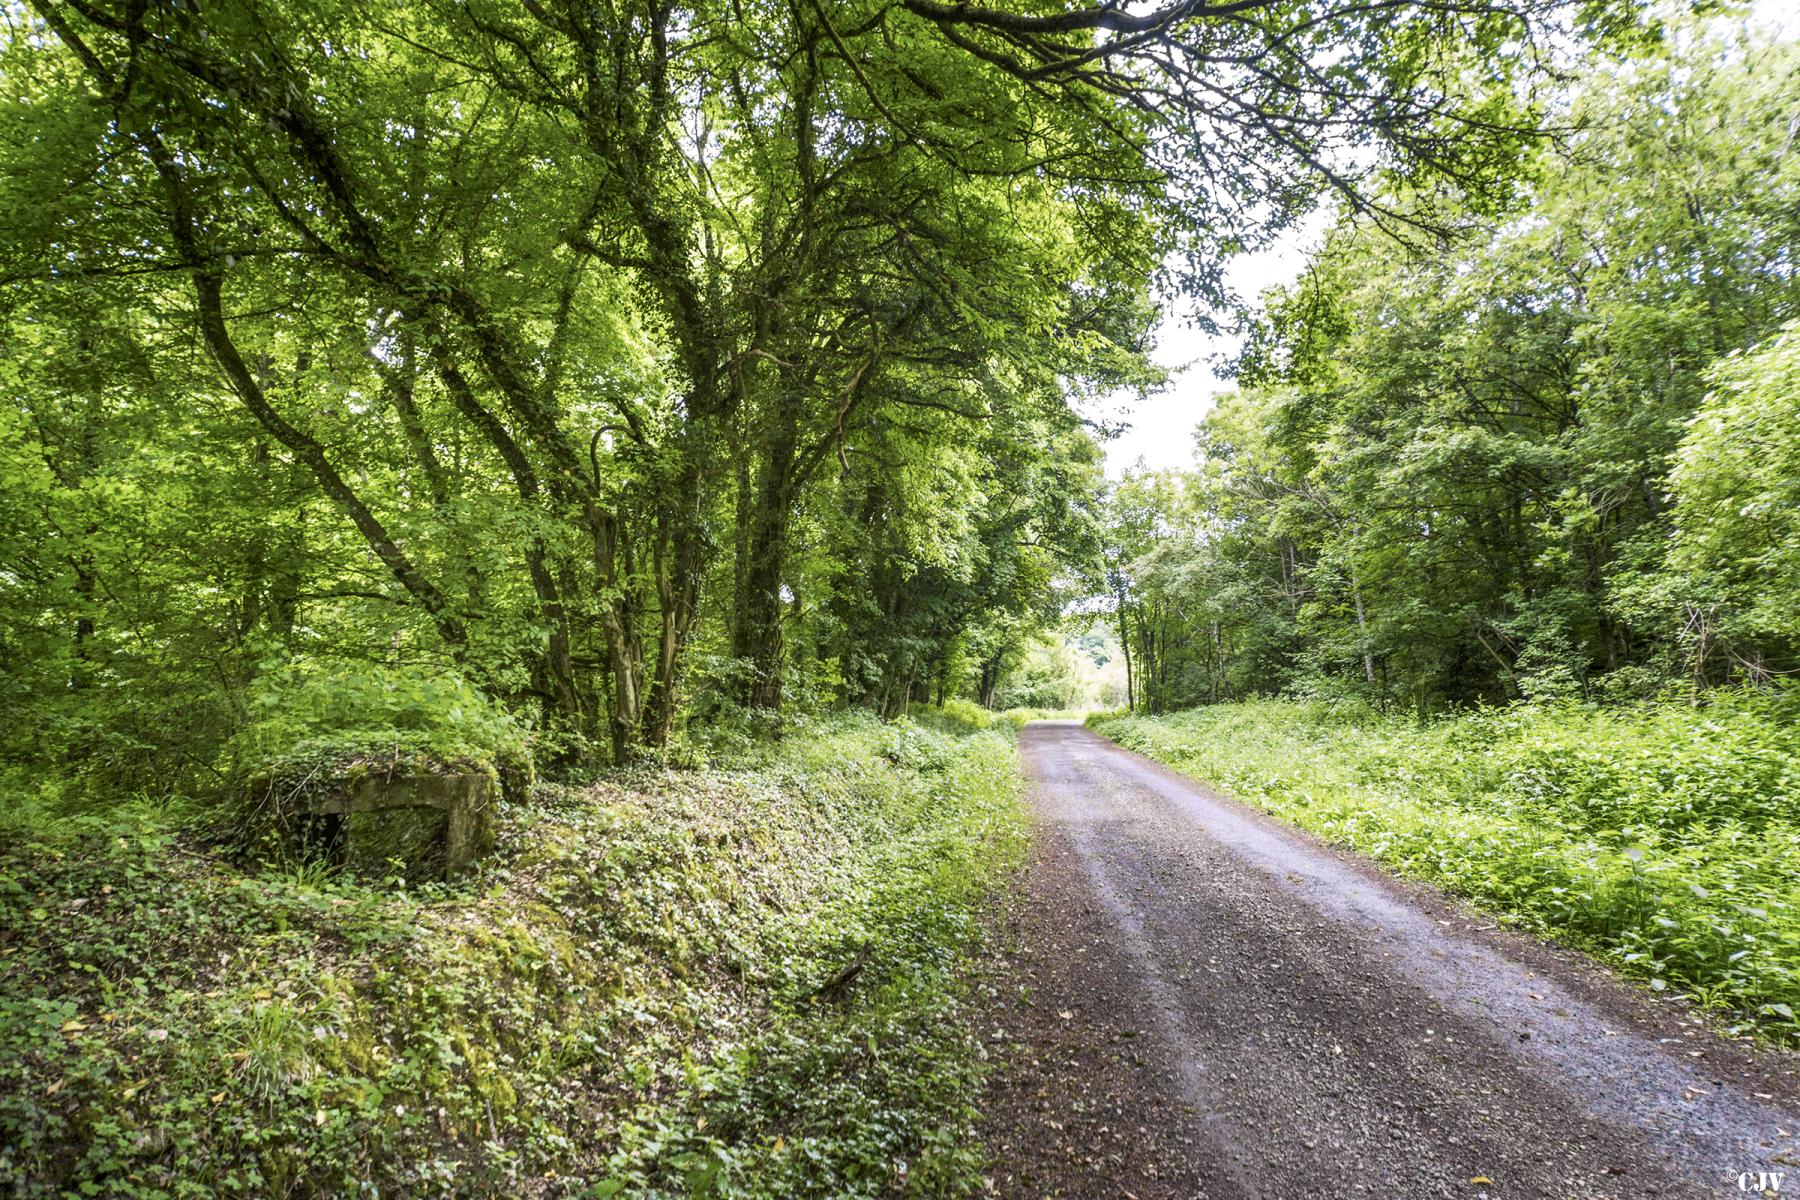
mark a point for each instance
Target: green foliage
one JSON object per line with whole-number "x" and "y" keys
{"x": 953, "y": 603}
{"x": 1447, "y": 478}
{"x": 1045, "y": 677}
{"x": 1659, "y": 834}
{"x": 1735, "y": 556}
{"x": 955, "y": 715}
{"x": 624, "y": 1000}
{"x": 326, "y": 331}
{"x": 308, "y": 712}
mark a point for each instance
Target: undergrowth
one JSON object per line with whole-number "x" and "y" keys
{"x": 710, "y": 982}
{"x": 966, "y": 714}
{"x": 1661, "y": 835}
{"x": 308, "y": 714}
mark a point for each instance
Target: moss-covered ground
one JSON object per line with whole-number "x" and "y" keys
{"x": 731, "y": 981}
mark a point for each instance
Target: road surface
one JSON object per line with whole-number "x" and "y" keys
{"x": 1201, "y": 1002}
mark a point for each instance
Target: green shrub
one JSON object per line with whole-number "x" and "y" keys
{"x": 1018, "y": 718}
{"x": 955, "y": 715}
{"x": 1735, "y": 553}
{"x": 308, "y": 713}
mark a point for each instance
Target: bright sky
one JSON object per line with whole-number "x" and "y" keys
{"x": 1161, "y": 432}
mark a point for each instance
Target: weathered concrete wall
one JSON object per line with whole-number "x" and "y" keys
{"x": 435, "y": 825}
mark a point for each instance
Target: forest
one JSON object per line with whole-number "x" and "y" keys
{"x": 633, "y": 363}
{"x": 665, "y": 445}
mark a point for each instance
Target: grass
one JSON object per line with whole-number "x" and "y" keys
{"x": 966, "y": 714}
{"x": 624, "y": 1000}
{"x": 1661, "y": 836}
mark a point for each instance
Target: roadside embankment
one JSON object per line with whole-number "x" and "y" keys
{"x": 665, "y": 982}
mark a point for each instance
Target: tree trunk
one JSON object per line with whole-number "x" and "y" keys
{"x": 553, "y": 672}
{"x": 1362, "y": 631}
{"x": 208, "y": 283}
{"x": 990, "y": 678}
{"x": 676, "y": 590}
{"x": 1125, "y": 647}
{"x": 756, "y": 636}
{"x": 618, "y": 621}
{"x": 1218, "y": 656}
{"x": 207, "y": 292}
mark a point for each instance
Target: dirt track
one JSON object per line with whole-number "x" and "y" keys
{"x": 1202, "y": 1002}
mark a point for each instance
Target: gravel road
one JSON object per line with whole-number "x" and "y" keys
{"x": 1199, "y": 1001}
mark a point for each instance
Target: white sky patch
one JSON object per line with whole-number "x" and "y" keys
{"x": 1783, "y": 16}
{"x": 1161, "y": 432}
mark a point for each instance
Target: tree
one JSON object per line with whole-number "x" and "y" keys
{"x": 525, "y": 342}
{"x": 1454, "y": 467}
{"x": 1734, "y": 552}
